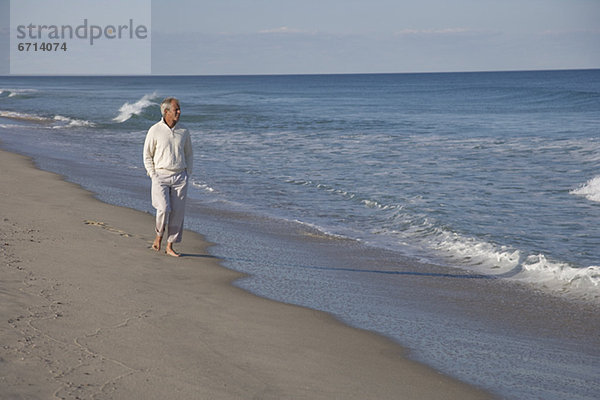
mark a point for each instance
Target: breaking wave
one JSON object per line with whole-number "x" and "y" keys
{"x": 6, "y": 92}
{"x": 66, "y": 122}
{"x": 25, "y": 117}
{"x": 590, "y": 190}
{"x": 128, "y": 110}
{"x": 58, "y": 121}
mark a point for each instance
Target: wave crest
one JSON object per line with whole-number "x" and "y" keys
{"x": 538, "y": 269}
{"x": 66, "y": 122}
{"x": 58, "y": 121}
{"x": 590, "y": 190}
{"x": 7, "y": 92}
{"x": 24, "y": 117}
{"x": 128, "y": 110}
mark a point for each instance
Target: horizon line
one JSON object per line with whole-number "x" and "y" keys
{"x": 301, "y": 73}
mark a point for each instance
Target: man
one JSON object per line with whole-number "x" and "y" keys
{"x": 168, "y": 161}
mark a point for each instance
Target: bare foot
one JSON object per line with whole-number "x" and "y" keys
{"x": 171, "y": 252}
{"x": 157, "y": 242}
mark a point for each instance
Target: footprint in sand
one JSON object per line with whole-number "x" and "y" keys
{"x": 107, "y": 227}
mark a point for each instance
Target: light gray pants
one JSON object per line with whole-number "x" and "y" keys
{"x": 168, "y": 197}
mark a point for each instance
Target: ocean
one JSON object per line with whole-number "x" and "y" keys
{"x": 456, "y": 213}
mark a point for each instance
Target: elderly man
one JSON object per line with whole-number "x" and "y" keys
{"x": 168, "y": 161}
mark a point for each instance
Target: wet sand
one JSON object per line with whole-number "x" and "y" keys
{"x": 90, "y": 311}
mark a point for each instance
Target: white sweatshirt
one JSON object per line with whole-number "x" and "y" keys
{"x": 166, "y": 150}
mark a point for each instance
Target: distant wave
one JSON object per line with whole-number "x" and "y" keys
{"x": 590, "y": 190}
{"x": 25, "y": 117}
{"x": 58, "y": 121}
{"x": 5, "y": 92}
{"x": 66, "y": 122}
{"x": 128, "y": 110}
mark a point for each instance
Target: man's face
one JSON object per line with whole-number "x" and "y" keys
{"x": 172, "y": 115}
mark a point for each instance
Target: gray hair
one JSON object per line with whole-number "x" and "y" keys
{"x": 166, "y": 104}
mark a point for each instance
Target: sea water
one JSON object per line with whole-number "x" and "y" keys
{"x": 346, "y": 193}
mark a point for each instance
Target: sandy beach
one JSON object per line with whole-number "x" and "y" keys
{"x": 90, "y": 311}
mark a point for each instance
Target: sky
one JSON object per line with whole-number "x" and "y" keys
{"x": 223, "y": 37}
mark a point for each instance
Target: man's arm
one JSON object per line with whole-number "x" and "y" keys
{"x": 189, "y": 154}
{"x": 149, "y": 148}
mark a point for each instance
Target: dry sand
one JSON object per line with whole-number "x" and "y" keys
{"x": 89, "y": 311}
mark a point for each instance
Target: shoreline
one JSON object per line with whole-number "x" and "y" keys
{"x": 91, "y": 311}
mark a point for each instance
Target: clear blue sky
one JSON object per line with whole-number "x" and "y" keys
{"x": 351, "y": 36}
{"x": 345, "y": 36}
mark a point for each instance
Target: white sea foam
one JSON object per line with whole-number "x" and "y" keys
{"x": 494, "y": 260}
{"x": 590, "y": 190}
{"x": 128, "y": 110}
{"x": 58, "y": 121}
{"x": 561, "y": 277}
{"x": 487, "y": 257}
{"x": 203, "y": 186}
{"x": 66, "y": 122}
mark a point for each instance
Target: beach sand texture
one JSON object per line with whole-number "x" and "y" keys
{"x": 90, "y": 311}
